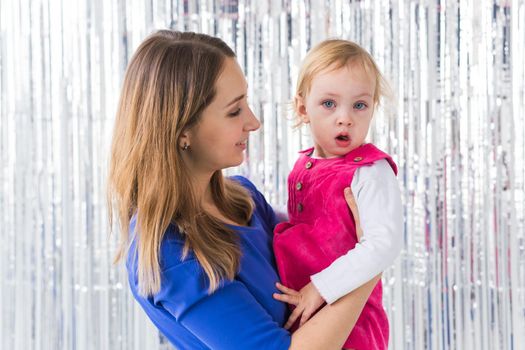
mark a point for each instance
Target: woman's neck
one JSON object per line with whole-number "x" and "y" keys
{"x": 202, "y": 187}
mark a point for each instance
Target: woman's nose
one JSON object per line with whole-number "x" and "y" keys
{"x": 252, "y": 123}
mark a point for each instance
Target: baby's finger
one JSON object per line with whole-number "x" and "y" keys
{"x": 290, "y": 299}
{"x": 293, "y": 317}
{"x": 305, "y": 317}
{"x": 286, "y": 290}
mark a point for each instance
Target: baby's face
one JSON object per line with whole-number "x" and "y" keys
{"x": 339, "y": 108}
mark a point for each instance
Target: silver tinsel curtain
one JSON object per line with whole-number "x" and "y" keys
{"x": 455, "y": 125}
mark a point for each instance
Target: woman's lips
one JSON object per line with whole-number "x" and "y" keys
{"x": 241, "y": 144}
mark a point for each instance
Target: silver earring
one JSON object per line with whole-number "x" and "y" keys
{"x": 185, "y": 147}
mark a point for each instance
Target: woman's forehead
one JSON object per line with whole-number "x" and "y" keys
{"x": 231, "y": 83}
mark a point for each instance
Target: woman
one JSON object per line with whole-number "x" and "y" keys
{"x": 198, "y": 245}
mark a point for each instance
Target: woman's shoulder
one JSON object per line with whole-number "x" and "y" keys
{"x": 171, "y": 247}
{"x": 244, "y": 182}
{"x": 257, "y": 196}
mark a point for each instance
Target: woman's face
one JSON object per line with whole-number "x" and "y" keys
{"x": 220, "y": 137}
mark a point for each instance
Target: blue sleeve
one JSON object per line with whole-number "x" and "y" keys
{"x": 230, "y": 318}
{"x": 260, "y": 202}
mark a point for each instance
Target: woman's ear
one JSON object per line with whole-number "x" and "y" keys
{"x": 184, "y": 140}
{"x": 300, "y": 109}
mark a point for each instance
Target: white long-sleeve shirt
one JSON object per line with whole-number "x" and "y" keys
{"x": 378, "y": 199}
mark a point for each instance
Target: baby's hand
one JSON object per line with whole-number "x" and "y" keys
{"x": 306, "y": 302}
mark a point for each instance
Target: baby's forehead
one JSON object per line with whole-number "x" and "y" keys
{"x": 359, "y": 69}
{"x": 353, "y": 77}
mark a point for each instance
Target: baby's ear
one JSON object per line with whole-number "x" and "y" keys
{"x": 300, "y": 109}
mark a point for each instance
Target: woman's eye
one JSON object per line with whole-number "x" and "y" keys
{"x": 329, "y": 104}
{"x": 235, "y": 113}
{"x": 360, "y": 105}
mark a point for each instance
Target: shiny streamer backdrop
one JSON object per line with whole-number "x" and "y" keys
{"x": 454, "y": 123}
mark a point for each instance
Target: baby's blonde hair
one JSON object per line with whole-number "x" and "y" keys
{"x": 337, "y": 53}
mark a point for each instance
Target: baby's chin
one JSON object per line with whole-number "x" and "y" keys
{"x": 343, "y": 151}
{"x": 327, "y": 154}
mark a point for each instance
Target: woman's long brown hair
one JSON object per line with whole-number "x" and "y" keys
{"x": 169, "y": 81}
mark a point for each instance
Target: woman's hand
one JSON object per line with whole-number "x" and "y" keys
{"x": 352, "y": 204}
{"x": 306, "y": 301}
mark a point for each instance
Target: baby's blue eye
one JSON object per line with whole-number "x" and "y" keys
{"x": 329, "y": 104}
{"x": 360, "y": 105}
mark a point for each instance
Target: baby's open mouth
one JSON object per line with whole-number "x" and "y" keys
{"x": 342, "y": 137}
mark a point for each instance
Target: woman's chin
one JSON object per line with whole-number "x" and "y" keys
{"x": 234, "y": 163}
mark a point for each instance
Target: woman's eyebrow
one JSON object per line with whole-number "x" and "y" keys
{"x": 235, "y": 100}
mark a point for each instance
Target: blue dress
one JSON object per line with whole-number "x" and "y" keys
{"x": 241, "y": 314}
